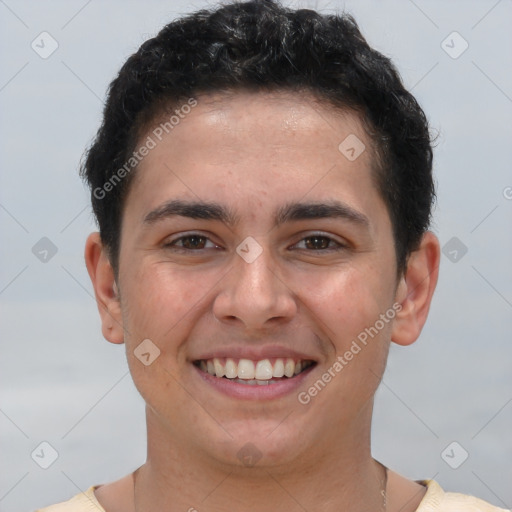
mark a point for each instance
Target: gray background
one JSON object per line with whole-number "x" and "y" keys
{"x": 62, "y": 383}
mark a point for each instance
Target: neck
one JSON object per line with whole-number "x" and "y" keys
{"x": 332, "y": 476}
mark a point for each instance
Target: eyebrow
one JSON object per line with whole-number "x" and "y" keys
{"x": 290, "y": 212}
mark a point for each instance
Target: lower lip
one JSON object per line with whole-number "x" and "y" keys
{"x": 256, "y": 391}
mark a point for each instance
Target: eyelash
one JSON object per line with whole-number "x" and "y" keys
{"x": 340, "y": 246}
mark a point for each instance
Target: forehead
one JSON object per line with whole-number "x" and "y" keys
{"x": 257, "y": 149}
{"x": 243, "y": 120}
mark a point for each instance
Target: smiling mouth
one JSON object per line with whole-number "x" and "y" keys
{"x": 246, "y": 371}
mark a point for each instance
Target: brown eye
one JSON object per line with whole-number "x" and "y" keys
{"x": 317, "y": 242}
{"x": 320, "y": 243}
{"x": 190, "y": 242}
{"x": 194, "y": 242}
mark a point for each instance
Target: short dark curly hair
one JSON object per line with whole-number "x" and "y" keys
{"x": 262, "y": 46}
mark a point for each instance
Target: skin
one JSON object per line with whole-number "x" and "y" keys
{"x": 252, "y": 153}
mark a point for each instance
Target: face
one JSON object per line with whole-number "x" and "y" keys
{"x": 252, "y": 245}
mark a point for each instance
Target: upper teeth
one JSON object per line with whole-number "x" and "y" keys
{"x": 248, "y": 369}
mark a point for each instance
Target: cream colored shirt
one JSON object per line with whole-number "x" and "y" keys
{"x": 435, "y": 500}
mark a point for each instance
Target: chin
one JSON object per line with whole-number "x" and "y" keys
{"x": 263, "y": 444}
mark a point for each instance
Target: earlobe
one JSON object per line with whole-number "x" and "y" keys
{"x": 415, "y": 290}
{"x": 105, "y": 288}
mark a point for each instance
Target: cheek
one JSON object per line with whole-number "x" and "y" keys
{"x": 346, "y": 302}
{"x": 159, "y": 305}
{"x": 348, "y": 306}
{"x": 347, "y": 311}
{"x": 159, "y": 300}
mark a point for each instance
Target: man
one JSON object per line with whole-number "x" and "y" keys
{"x": 263, "y": 186}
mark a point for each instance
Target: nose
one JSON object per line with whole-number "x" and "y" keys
{"x": 254, "y": 294}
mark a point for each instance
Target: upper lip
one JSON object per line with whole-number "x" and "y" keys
{"x": 255, "y": 353}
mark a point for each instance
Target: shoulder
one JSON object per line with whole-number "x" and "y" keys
{"x": 83, "y": 502}
{"x": 437, "y": 500}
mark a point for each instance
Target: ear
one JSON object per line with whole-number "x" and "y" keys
{"x": 105, "y": 288}
{"x": 415, "y": 290}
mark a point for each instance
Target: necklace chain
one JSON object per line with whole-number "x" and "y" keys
{"x": 384, "y": 490}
